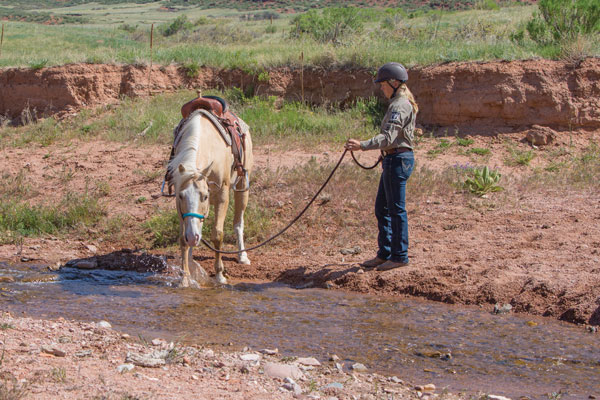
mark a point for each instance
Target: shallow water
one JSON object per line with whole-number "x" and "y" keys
{"x": 508, "y": 355}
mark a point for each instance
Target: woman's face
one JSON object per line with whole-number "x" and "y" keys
{"x": 386, "y": 89}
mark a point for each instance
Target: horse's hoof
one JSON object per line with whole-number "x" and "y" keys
{"x": 188, "y": 282}
{"x": 221, "y": 280}
{"x": 244, "y": 260}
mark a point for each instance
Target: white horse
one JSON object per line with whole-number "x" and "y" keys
{"x": 202, "y": 173}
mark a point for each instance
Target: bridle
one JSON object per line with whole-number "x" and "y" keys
{"x": 199, "y": 216}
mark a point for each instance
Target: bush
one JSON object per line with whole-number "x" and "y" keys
{"x": 177, "y": 25}
{"x": 564, "y": 20}
{"x": 329, "y": 26}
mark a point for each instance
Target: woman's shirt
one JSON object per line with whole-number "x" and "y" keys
{"x": 397, "y": 128}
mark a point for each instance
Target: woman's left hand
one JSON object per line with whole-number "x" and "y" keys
{"x": 352, "y": 145}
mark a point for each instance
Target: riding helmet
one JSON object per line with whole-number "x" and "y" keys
{"x": 391, "y": 70}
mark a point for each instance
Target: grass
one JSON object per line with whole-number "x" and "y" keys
{"x": 292, "y": 122}
{"x": 19, "y": 218}
{"x": 221, "y": 39}
{"x": 518, "y": 157}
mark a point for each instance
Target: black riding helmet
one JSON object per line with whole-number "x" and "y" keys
{"x": 391, "y": 70}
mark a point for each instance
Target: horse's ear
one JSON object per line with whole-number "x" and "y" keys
{"x": 205, "y": 171}
{"x": 181, "y": 169}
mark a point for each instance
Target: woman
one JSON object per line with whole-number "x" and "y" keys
{"x": 395, "y": 141}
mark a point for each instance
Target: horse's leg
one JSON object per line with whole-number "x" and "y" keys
{"x": 241, "y": 201}
{"x": 185, "y": 256}
{"x": 222, "y": 202}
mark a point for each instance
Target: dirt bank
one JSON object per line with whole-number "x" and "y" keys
{"x": 487, "y": 97}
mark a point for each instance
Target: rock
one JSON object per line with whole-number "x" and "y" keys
{"x": 430, "y": 387}
{"x": 270, "y": 352}
{"x": 104, "y": 324}
{"x": 502, "y": 309}
{"x": 55, "y": 267}
{"x": 395, "y": 379}
{"x": 125, "y": 368}
{"x": 152, "y": 360}
{"x": 494, "y": 397}
{"x": 194, "y": 377}
{"x": 339, "y": 367}
{"x": 158, "y": 342}
{"x": 540, "y": 135}
{"x": 83, "y": 263}
{"x": 282, "y": 371}
{"x": 92, "y": 248}
{"x": 358, "y": 367}
{"x": 6, "y": 279}
{"x": 351, "y": 251}
{"x": 292, "y": 386}
{"x": 334, "y": 357}
{"x": 250, "y": 357}
{"x": 125, "y": 336}
{"x": 83, "y": 353}
{"x": 310, "y": 361}
{"x": 333, "y": 385}
{"x": 52, "y": 349}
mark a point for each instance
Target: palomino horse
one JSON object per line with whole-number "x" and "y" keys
{"x": 202, "y": 173}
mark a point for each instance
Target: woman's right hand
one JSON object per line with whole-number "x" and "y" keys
{"x": 352, "y": 145}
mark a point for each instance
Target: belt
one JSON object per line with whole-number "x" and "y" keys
{"x": 396, "y": 151}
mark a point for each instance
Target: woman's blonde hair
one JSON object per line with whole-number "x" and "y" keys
{"x": 404, "y": 91}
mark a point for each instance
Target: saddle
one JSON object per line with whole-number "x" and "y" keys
{"x": 220, "y": 109}
{"x": 217, "y": 111}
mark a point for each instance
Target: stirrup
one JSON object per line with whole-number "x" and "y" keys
{"x": 162, "y": 190}
{"x": 246, "y": 182}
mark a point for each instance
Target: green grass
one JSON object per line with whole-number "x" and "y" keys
{"x": 518, "y": 157}
{"x": 220, "y": 38}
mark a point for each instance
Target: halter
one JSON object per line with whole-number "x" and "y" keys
{"x": 199, "y": 216}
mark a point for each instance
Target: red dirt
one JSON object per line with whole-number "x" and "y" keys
{"x": 536, "y": 249}
{"x": 489, "y": 98}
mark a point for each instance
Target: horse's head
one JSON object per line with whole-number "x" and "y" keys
{"x": 192, "y": 203}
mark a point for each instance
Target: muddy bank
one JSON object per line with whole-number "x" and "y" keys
{"x": 489, "y": 97}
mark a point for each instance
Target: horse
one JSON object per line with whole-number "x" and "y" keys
{"x": 201, "y": 172}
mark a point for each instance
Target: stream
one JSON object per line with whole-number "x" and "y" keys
{"x": 461, "y": 348}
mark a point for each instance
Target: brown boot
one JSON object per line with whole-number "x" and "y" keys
{"x": 372, "y": 263}
{"x": 389, "y": 264}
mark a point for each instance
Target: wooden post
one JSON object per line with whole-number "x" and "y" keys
{"x": 302, "y": 75}
{"x": 1, "y": 40}
{"x": 150, "y": 71}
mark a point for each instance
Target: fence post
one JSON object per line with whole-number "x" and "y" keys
{"x": 150, "y": 71}
{"x": 302, "y": 75}
{"x": 1, "y": 40}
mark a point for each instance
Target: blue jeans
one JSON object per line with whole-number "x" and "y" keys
{"x": 390, "y": 207}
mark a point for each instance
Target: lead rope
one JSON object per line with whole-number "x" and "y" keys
{"x": 301, "y": 212}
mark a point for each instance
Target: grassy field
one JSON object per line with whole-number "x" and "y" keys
{"x": 229, "y": 38}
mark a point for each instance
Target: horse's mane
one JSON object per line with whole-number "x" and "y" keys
{"x": 188, "y": 147}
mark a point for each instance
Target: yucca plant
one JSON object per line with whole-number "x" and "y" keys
{"x": 483, "y": 181}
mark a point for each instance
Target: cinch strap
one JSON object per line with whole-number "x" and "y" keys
{"x": 193, "y": 215}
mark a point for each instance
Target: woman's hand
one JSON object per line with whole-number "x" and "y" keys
{"x": 352, "y": 145}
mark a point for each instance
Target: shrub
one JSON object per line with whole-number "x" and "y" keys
{"x": 177, "y": 25}
{"x": 330, "y": 25}
{"x": 564, "y": 20}
{"x": 482, "y": 181}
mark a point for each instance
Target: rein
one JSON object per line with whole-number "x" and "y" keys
{"x": 301, "y": 212}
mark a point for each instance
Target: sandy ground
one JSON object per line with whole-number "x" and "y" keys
{"x": 537, "y": 250}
